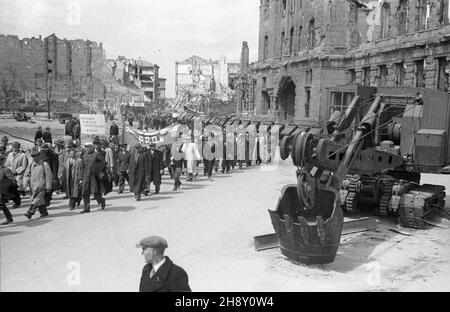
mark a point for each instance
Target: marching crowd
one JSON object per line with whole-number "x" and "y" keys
{"x": 92, "y": 170}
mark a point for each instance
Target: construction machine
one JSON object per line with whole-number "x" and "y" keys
{"x": 370, "y": 153}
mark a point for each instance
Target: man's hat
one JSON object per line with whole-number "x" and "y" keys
{"x": 59, "y": 142}
{"x": 137, "y": 145}
{"x": 123, "y": 144}
{"x": 15, "y": 144}
{"x": 153, "y": 242}
{"x": 96, "y": 141}
{"x": 152, "y": 144}
{"x": 35, "y": 153}
{"x": 47, "y": 128}
{"x": 88, "y": 144}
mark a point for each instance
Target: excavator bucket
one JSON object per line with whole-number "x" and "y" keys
{"x": 309, "y": 236}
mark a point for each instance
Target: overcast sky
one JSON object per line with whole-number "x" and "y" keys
{"x": 161, "y": 32}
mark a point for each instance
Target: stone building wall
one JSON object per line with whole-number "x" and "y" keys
{"x": 399, "y": 42}
{"x": 70, "y": 68}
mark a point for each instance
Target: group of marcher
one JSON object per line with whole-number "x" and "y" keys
{"x": 92, "y": 170}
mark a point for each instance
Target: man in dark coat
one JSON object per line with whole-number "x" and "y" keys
{"x": 209, "y": 163}
{"x": 93, "y": 173}
{"x": 76, "y": 132}
{"x": 139, "y": 171}
{"x": 157, "y": 168}
{"x": 123, "y": 163}
{"x": 38, "y": 134}
{"x": 114, "y": 129}
{"x": 160, "y": 274}
{"x": 47, "y": 136}
{"x": 52, "y": 159}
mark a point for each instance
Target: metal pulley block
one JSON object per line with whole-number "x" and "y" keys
{"x": 303, "y": 148}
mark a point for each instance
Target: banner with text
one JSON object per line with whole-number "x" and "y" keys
{"x": 92, "y": 124}
{"x": 163, "y": 136}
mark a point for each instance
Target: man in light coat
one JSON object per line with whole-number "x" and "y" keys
{"x": 17, "y": 162}
{"x": 191, "y": 155}
{"x": 41, "y": 184}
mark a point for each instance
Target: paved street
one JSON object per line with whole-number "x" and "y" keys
{"x": 209, "y": 226}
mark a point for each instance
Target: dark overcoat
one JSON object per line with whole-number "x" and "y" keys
{"x": 157, "y": 164}
{"x": 139, "y": 172}
{"x": 93, "y": 173}
{"x": 168, "y": 278}
{"x": 73, "y": 176}
{"x": 123, "y": 161}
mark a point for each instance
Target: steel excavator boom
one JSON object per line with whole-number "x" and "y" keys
{"x": 308, "y": 220}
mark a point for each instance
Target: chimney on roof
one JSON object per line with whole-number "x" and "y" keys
{"x": 244, "y": 57}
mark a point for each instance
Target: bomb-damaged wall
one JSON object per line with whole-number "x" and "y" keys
{"x": 70, "y": 65}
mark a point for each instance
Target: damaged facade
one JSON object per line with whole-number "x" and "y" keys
{"x": 306, "y": 47}
{"x": 63, "y": 69}
{"x": 198, "y": 75}
{"x": 140, "y": 75}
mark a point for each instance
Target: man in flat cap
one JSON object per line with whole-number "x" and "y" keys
{"x": 160, "y": 274}
{"x": 139, "y": 171}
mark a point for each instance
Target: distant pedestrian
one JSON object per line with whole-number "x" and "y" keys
{"x": 176, "y": 163}
{"x": 76, "y": 133}
{"x": 122, "y": 167}
{"x": 41, "y": 184}
{"x": 38, "y": 133}
{"x": 160, "y": 274}
{"x": 47, "y": 136}
{"x": 114, "y": 129}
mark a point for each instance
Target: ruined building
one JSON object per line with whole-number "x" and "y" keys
{"x": 200, "y": 75}
{"x": 307, "y": 46}
{"x": 140, "y": 75}
{"x": 60, "y": 69}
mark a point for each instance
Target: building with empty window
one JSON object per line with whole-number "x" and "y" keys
{"x": 306, "y": 47}
{"x": 197, "y": 74}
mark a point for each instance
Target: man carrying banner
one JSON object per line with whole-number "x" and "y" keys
{"x": 139, "y": 170}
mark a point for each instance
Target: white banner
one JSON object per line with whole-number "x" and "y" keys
{"x": 92, "y": 124}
